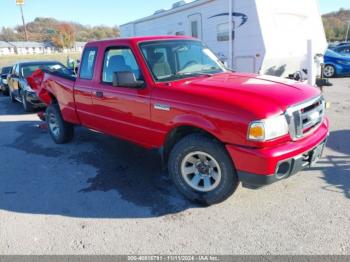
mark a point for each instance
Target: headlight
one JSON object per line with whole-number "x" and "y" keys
{"x": 4, "y": 81}
{"x": 268, "y": 129}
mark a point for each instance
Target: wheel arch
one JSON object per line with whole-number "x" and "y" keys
{"x": 180, "y": 131}
{"x": 53, "y": 99}
{"x": 47, "y": 97}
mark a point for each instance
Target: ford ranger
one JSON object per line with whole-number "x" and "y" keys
{"x": 213, "y": 127}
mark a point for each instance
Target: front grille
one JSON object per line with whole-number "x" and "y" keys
{"x": 305, "y": 117}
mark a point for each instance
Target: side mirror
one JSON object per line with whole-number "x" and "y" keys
{"x": 126, "y": 79}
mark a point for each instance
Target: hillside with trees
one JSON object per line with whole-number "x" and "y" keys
{"x": 64, "y": 34}
{"x": 336, "y": 24}
{"x": 61, "y": 34}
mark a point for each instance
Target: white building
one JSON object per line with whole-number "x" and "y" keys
{"x": 6, "y": 48}
{"x": 29, "y": 48}
{"x": 79, "y": 46}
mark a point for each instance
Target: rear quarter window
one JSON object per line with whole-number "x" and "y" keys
{"x": 88, "y": 63}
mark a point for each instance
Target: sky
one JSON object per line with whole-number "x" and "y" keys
{"x": 103, "y": 12}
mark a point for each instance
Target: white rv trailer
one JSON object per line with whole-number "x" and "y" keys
{"x": 274, "y": 37}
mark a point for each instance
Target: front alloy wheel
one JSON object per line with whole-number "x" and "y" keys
{"x": 329, "y": 71}
{"x": 13, "y": 100}
{"x": 201, "y": 171}
{"x": 26, "y": 106}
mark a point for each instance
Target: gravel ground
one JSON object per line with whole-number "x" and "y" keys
{"x": 99, "y": 195}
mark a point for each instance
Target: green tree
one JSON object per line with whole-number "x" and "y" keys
{"x": 64, "y": 37}
{"x": 335, "y": 25}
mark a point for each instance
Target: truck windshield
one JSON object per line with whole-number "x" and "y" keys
{"x": 177, "y": 59}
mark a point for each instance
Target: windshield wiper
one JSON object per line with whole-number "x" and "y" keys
{"x": 182, "y": 75}
{"x": 194, "y": 74}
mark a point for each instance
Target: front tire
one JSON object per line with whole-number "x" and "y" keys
{"x": 329, "y": 71}
{"x": 26, "y": 106}
{"x": 5, "y": 92}
{"x": 202, "y": 170}
{"x": 12, "y": 98}
{"x": 61, "y": 131}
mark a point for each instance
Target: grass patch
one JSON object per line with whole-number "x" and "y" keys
{"x": 10, "y": 60}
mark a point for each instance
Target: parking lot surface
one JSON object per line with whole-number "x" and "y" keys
{"x": 100, "y": 195}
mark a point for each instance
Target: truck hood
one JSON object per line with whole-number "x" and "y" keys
{"x": 262, "y": 95}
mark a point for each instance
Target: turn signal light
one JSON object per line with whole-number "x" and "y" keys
{"x": 256, "y": 131}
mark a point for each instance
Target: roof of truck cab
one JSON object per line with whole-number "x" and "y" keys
{"x": 140, "y": 39}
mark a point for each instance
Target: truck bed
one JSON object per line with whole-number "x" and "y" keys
{"x": 49, "y": 84}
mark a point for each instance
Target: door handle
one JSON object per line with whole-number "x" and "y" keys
{"x": 99, "y": 94}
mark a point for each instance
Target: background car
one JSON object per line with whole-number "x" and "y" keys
{"x": 336, "y": 64}
{"x": 20, "y": 91}
{"x": 5, "y": 71}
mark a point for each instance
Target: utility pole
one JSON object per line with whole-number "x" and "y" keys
{"x": 347, "y": 32}
{"x": 231, "y": 34}
{"x": 21, "y": 3}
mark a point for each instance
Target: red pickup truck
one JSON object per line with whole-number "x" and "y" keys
{"x": 214, "y": 128}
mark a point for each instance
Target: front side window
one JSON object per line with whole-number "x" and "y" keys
{"x": 176, "y": 59}
{"x": 16, "y": 70}
{"x": 88, "y": 63}
{"x": 119, "y": 59}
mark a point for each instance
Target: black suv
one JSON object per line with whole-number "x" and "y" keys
{"x": 5, "y": 71}
{"x": 19, "y": 89}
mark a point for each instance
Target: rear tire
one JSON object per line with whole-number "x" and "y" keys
{"x": 61, "y": 131}
{"x": 202, "y": 170}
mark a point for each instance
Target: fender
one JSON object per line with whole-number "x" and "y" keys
{"x": 195, "y": 121}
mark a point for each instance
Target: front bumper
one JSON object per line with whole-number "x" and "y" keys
{"x": 259, "y": 167}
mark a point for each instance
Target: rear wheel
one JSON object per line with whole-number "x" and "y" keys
{"x": 329, "y": 71}
{"x": 202, "y": 170}
{"x": 61, "y": 131}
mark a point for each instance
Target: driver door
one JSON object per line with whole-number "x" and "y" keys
{"x": 122, "y": 111}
